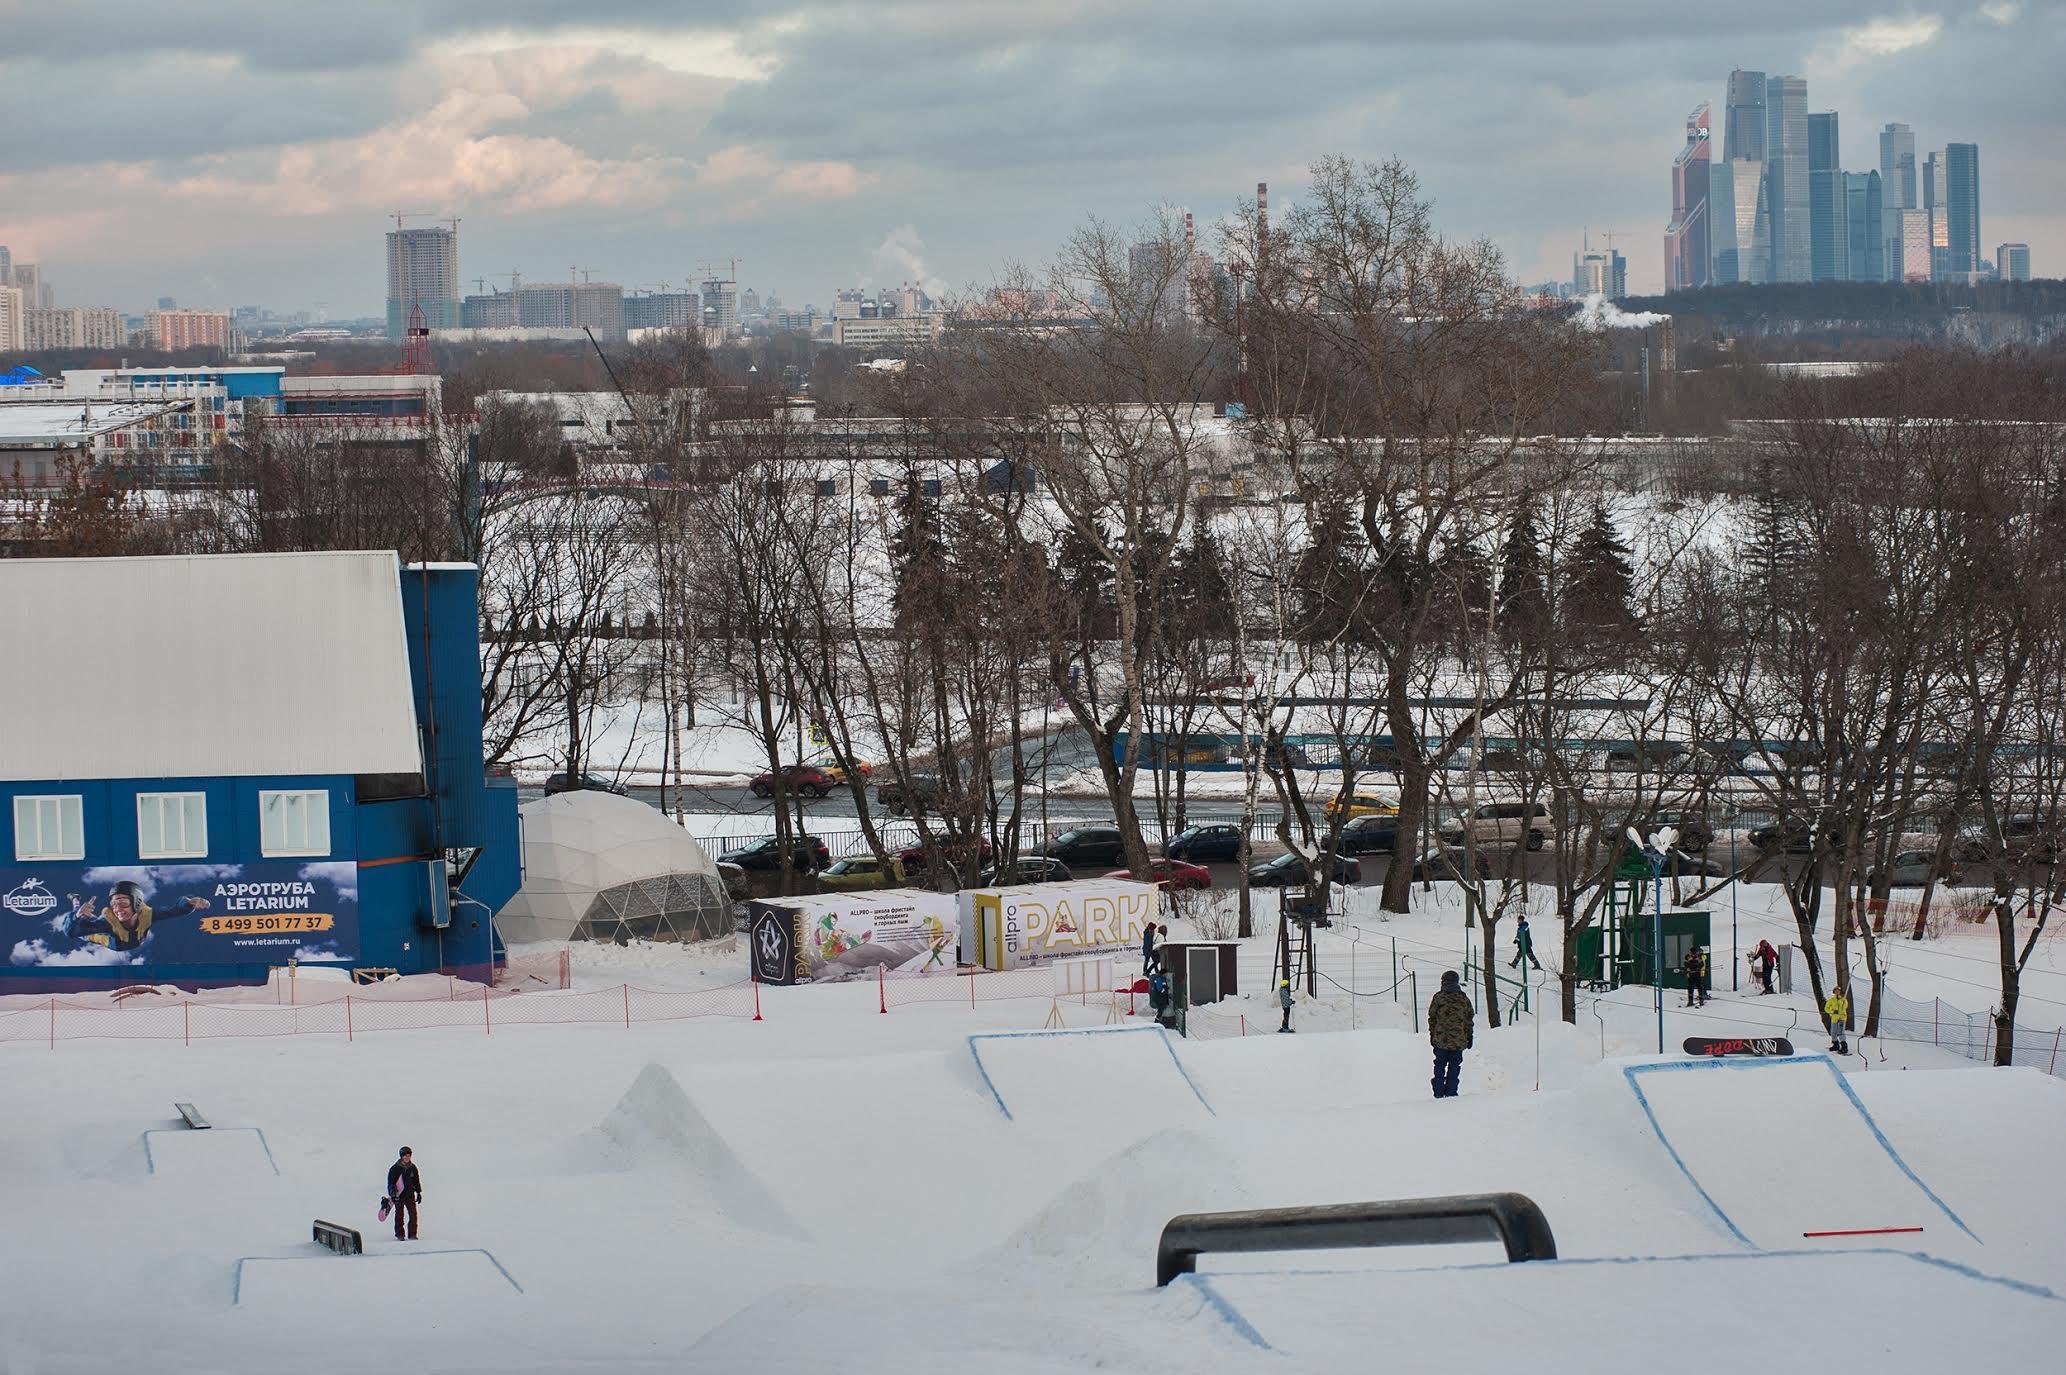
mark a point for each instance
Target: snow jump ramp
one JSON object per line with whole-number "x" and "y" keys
{"x": 1120, "y": 1074}
{"x": 1787, "y": 1158}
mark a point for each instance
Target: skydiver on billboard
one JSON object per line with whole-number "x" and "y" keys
{"x": 125, "y": 920}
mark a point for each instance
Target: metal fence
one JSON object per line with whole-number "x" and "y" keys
{"x": 1968, "y": 1034}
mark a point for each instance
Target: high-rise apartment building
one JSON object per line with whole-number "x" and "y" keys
{"x": 1909, "y": 251}
{"x": 1688, "y": 257}
{"x": 572, "y": 305}
{"x": 173, "y": 330}
{"x": 1864, "y": 212}
{"x": 1897, "y": 184}
{"x": 664, "y": 310}
{"x": 12, "y": 325}
{"x": 1786, "y": 169}
{"x": 422, "y": 273}
{"x": 1595, "y": 272}
{"x": 1962, "y": 208}
{"x": 1829, "y": 235}
{"x": 1739, "y": 222}
{"x": 721, "y": 306}
{"x": 2012, "y": 262}
{"x": 1743, "y": 129}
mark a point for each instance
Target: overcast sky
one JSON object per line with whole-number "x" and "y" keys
{"x": 236, "y": 153}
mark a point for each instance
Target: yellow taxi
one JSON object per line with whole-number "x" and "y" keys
{"x": 1361, "y": 804}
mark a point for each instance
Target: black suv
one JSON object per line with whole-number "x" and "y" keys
{"x": 1203, "y": 844}
{"x": 1290, "y": 870}
{"x": 1367, "y": 835}
{"x": 1027, "y": 869}
{"x": 556, "y": 784}
{"x": 1087, "y": 845}
{"x": 808, "y": 853}
{"x": 922, "y": 796}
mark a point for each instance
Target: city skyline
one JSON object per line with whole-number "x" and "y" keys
{"x": 629, "y": 143}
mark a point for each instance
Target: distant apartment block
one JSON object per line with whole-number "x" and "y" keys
{"x": 1909, "y": 251}
{"x": 422, "y": 274}
{"x": 2012, "y": 262}
{"x": 188, "y": 329}
{"x": 12, "y": 326}
{"x": 888, "y": 331}
{"x": 74, "y": 327}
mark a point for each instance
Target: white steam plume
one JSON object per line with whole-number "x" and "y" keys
{"x": 1600, "y": 313}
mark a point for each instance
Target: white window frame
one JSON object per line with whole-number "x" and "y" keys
{"x": 288, "y": 801}
{"x": 192, "y": 810}
{"x": 29, "y": 838}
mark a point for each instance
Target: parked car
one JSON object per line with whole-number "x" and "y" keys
{"x": 863, "y": 871}
{"x": 737, "y": 886}
{"x": 807, "y": 853}
{"x": 1172, "y": 874}
{"x": 1362, "y": 804}
{"x": 1790, "y": 835}
{"x": 1678, "y": 861}
{"x": 1654, "y": 757}
{"x": 1217, "y": 840}
{"x": 2026, "y": 835}
{"x": 807, "y": 779}
{"x": 1087, "y": 845}
{"x": 557, "y": 783}
{"x": 1181, "y": 750}
{"x": 1367, "y": 835}
{"x": 1444, "y": 865}
{"x": 1290, "y": 870}
{"x": 1912, "y": 869}
{"x": 923, "y": 795}
{"x": 1503, "y": 823}
{"x": 953, "y": 849}
{"x": 841, "y": 772}
{"x": 1696, "y": 833}
{"x": 1026, "y": 869}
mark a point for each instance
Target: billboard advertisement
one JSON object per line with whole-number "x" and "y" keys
{"x": 1009, "y": 926}
{"x": 841, "y": 936}
{"x": 55, "y": 916}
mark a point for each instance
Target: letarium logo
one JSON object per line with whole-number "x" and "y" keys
{"x": 29, "y": 898}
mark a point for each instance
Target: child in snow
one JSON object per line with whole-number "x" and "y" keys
{"x": 1837, "y": 1012}
{"x": 1284, "y": 1001}
{"x": 1524, "y": 945}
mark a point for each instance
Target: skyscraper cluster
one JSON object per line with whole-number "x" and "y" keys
{"x": 1775, "y": 204}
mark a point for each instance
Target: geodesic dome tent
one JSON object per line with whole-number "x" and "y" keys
{"x": 606, "y": 868}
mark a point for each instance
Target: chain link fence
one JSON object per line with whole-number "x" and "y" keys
{"x": 1968, "y": 1034}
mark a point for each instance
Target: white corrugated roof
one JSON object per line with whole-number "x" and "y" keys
{"x": 204, "y": 665}
{"x": 57, "y": 421}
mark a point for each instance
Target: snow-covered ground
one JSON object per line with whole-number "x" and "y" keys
{"x": 835, "y": 1188}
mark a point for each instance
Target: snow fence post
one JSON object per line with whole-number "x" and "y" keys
{"x": 347, "y": 1016}
{"x": 487, "y": 1022}
{"x": 627, "y": 1007}
{"x": 186, "y": 1022}
{"x": 2053, "y": 1067}
{"x": 882, "y": 1001}
{"x": 1414, "y": 974}
{"x": 53, "y": 1023}
{"x": 756, "y": 994}
{"x": 1935, "y": 1004}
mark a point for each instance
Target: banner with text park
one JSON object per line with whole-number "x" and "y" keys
{"x": 267, "y": 912}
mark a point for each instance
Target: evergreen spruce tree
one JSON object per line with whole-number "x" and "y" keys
{"x": 1329, "y": 578}
{"x": 1599, "y": 581}
{"x": 1523, "y": 597}
{"x": 917, "y": 548}
{"x": 1772, "y": 544}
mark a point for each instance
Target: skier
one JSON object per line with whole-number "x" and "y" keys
{"x": 1837, "y": 1012}
{"x": 1452, "y": 1028}
{"x": 405, "y": 1188}
{"x": 1764, "y": 962}
{"x": 1524, "y": 945}
{"x": 1284, "y": 1001}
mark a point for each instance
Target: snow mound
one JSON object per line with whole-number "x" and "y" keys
{"x": 1779, "y": 1148}
{"x": 220, "y": 1153}
{"x": 657, "y": 1124}
{"x": 1121, "y": 1074}
{"x": 372, "y": 1287}
{"x": 1924, "y": 1314}
{"x": 1103, "y": 1225}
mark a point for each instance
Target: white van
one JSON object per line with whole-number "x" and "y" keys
{"x": 1503, "y": 823}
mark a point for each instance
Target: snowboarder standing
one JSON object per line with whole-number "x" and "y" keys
{"x": 1452, "y": 1027}
{"x": 1837, "y": 1012}
{"x": 1524, "y": 945}
{"x": 405, "y": 1187}
{"x": 1696, "y": 976}
{"x": 1764, "y": 961}
{"x": 1284, "y": 1001}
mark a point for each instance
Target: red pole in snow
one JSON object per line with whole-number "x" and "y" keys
{"x": 2054, "y": 1065}
{"x": 347, "y": 1016}
{"x": 972, "y": 989}
{"x": 756, "y": 995}
{"x": 627, "y": 1007}
{"x": 882, "y": 999}
{"x": 1862, "y": 1232}
{"x": 486, "y": 1021}
{"x": 53, "y": 1024}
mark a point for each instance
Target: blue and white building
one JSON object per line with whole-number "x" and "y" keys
{"x": 214, "y": 765}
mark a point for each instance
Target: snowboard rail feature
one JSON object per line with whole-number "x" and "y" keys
{"x": 1511, "y": 1219}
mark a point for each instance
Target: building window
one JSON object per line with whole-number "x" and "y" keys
{"x": 171, "y": 826}
{"x": 48, "y": 828}
{"x": 930, "y": 487}
{"x": 294, "y": 823}
{"x": 878, "y": 486}
{"x": 828, "y": 486}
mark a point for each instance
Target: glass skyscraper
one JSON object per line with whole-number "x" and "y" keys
{"x": 1688, "y": 259}
{"x": 1864, "y": 219}
{"x": 1962, "y": 207}
{"x": 1897, "y": 167}
{"x": 1739, "y": 222}
{"x": 1829, "y": 235}
{"x": 1786, "y": 169}
{"x": 1743, "y": 129}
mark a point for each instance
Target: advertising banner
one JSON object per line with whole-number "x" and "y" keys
{"x": 265, "y": 912}
{"x": 1042, "y": 921}
{"x": 840, "y": 936}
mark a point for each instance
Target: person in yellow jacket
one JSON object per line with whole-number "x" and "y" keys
{"x": 1837, "y": 1012}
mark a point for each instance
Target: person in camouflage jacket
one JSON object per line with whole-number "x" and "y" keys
{"x": 1452, "y": 1024}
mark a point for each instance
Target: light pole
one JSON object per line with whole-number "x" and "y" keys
{"x": 1653, "y": 852}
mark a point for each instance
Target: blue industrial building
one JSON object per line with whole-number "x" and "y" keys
{"x": 211, "y": 766}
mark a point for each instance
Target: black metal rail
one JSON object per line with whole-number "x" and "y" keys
{"x": 1511, "y": 1219}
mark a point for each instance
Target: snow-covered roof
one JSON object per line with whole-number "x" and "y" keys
{"x": 55, "y": 422}
{"x": 195, "y": 666}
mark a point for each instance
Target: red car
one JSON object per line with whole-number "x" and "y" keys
{"x": 1172, "y": 873}
{"x": 953, "y": 851}
{"x": 807, "y": 779}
